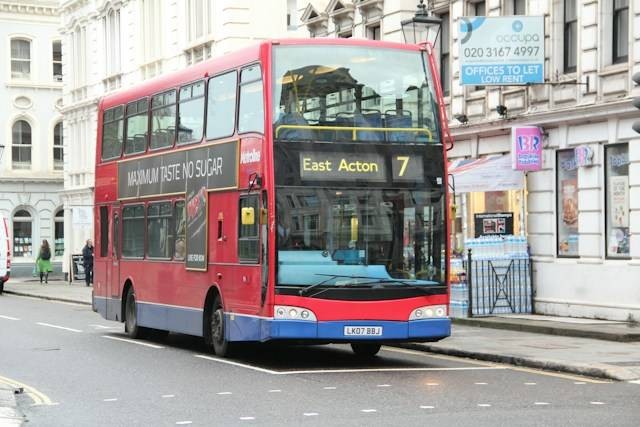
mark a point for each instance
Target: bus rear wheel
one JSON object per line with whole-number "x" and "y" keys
{"x": 367, "y": 349}
{"x": 221, "y": 347}
{"x": 131, "y": 327}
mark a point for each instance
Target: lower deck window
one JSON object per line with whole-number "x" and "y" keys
{"x": 133, "y": 231}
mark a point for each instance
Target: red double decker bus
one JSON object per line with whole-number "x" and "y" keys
{"x": 292, "y": 191}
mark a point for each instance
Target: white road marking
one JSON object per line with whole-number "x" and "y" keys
{"x": 597, "y": 403}
{"x": 310, "y": 414}
{"x": 541, "y": 403}
{"x": 145, "y": 344}
{"x": 484, "y": 405}
{"x": 240, "y": 365}
{"x": 529, "y": 383}
{"x": 181, "y": 423}
{"x": 329, "y": 388}
{"x": 426, "y": 407}
{"x": 167, "y": 396}
{"x": 104, "y": 327}
{"x": 432, "y": 384}
{"x": 8, "y": 317}
{"x": 275, "y": 391}
{"x": 383, "y": 385}
{"x": 347, "y": 371}
{"x": 480, "y": 383}
{"x": 560, "y": 375}
{"x": 58, "y": 327}
{"x": 439, "y": 356}
{"x": 247, "y": 418}
{"x": 634, "y": 382}
{"x": 368, "y": 411}
{"x": 579, "y": 383}
{"x": 224, "y": 393}
{"x": 113, "y": 399}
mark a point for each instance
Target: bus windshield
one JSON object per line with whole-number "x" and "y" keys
{"x": 380, "y": 238}
{"x": 352, "y": 93}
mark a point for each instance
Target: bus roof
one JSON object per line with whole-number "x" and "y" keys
{"x": 230, "y": 61}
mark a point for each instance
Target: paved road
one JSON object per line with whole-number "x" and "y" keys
{"x": 81, "y": 370}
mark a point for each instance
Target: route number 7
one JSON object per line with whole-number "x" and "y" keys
{"x": 403, "y": 166}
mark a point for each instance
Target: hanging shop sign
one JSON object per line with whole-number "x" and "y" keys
{"x": 493, "y": 223}
{"x": 526, "y": 148}
{"x": 505, "y": 50}
{"x": 583, "y": 155}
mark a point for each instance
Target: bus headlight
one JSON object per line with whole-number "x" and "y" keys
{"x": 428, "y": 312}
{"x": 293, "y": 313}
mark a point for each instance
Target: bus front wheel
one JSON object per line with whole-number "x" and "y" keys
{"x": 365, "y": 349}
{"x": 221, "y": 347}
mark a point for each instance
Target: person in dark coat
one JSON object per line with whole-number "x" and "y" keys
{"x": 87, "y": 260}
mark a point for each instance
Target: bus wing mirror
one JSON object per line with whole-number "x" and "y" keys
{"x": 248, "y": 216}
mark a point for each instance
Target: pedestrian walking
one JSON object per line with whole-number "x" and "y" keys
{"x": 43, "y": 262}
{"x": 87, "y": 260}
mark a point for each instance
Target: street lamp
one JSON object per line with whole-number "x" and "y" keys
{"x": 422, "y": 27}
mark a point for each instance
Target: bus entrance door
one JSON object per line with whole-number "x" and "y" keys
{"x": 113, "y": 269}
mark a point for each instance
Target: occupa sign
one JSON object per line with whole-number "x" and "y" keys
{"x": 505, "y": 50}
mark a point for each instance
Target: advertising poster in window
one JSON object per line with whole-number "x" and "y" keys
{"x": 617, "y": 188}
{"x": 567, "y": 187}
{"x": 493, "y": 223}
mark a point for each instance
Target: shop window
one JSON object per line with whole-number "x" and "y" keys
{"x": 133, "y": 231}
{"x": 22, "y": 237}
{"x": 567, "y": 203}
{"x": 221, "y": 108}
{"x": 617, "y": 200}
{"x": 159, "y": 230}
{"x": 191, "y": 113}
{"x": 180, "y": 223}
{"x": 251, "y": 114}
{"x": 248, "y": 233}
{"x": 58, "y": 229}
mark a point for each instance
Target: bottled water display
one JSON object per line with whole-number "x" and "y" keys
{"x": 500, "y": 277}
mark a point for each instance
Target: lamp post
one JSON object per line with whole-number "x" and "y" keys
{"x": 422, "y": 28}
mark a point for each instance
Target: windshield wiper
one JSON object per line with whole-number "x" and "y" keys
{"x": 308, "y": 289}
{"x": 388, "y": 283}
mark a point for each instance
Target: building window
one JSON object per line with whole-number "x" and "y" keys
{"x": 112, "y": 133}
{"x": 292, "y": 15}
{"x": 199, "y": 19}
{"x": 79, "y": 56}
{"x": 191, "y": 113}
{"x": 445, "y": 67}
{"x": 22, "y": 237}
{"x": 137, "y": 126}
{"x": 570, "y": 36}
{"x": 163, "y": 120}
{"x": 373, "y": 32}
{"x": 251, "y": 114}
{"x": 151, "y": 12}
{"x": 617, "y": 200}
{"x": 133, "y": 231}
{"x": 56, "y": 55}
{"x": 248, "y": 234}
{"x": 58, "y": 230}
{"x": 346, "y": 35}
{"x": 199, "y": 53}
{"x": 159, "y": 230}
{"x": 20, "y": 59}
{"x": 111, "y": 34}
{"x": 519, "y": 7}
{"x": 221, "y": 108}
{"x": 620, "y": 31}
{"x": 479, "y": 8}
{"x": 21, "y": 145}
{"x": 58, "y": 148}
{"x": 567, "y": 203}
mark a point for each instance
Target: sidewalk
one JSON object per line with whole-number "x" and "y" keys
{"x": 9, "y": 414}
{"x": 597, "y": 348}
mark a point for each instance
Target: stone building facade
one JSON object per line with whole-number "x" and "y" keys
{"x": 31, "y": 130}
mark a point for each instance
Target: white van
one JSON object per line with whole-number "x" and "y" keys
{"x": 5, "y": 259}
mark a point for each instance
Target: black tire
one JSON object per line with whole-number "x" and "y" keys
{"x": 365, "y": 349}
{"x": 131, "y": 327}
{"x": 216, "y": 326}
{"x": 1, "y": 287}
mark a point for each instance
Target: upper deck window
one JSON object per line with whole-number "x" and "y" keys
{"x": 191, "y": 113}
{"x": 163, "y": 120}
{"x": 112, "y": 133}
{"x": 137, "y": 127}
{"x": 221, "y": 107}
{"x": 352, "y": 93}
{"x": 251, "y": 113}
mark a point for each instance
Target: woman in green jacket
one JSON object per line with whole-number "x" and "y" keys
{"x": 44, "y": 261}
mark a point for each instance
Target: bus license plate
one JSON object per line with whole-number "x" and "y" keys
{"x": 363, "y": 331}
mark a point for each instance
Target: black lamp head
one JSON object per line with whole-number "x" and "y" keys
{"x": 502, "y": 110}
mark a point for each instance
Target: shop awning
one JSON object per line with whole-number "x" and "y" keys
{"x": 491, "y": 173}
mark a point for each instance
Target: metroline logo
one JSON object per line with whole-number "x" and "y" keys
{"x": 252, "y": 156}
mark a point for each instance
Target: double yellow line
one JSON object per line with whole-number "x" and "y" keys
{"x": 38, "y": 397}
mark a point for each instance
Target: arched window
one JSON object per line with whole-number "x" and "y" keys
{"x": 21, "y": 145}
{"x": 58, "y": 228}
{"x": 58, "y": 148}
{"x": 20, "y": 59}
{"x": 22, "y": 238}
